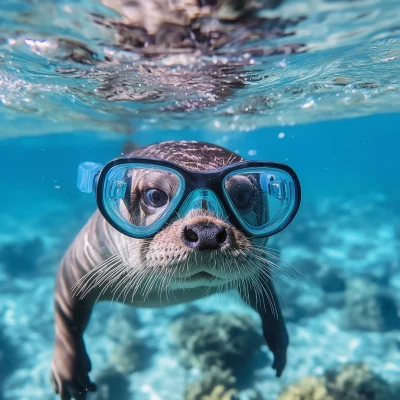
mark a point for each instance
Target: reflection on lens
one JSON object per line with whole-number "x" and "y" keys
{"x": 148, "y": 198}
{"x": 151, "y": 191}
{"x": 261, "y": 198}
{"x": 245, "y": 193}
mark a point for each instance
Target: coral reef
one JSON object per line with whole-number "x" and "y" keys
{"x": 216, "y": 384}
{"x": 216, "y": 339}
{"x": 309, "y": 388}
{"x": 351, "y": 382}
{"x": 369, "y": 307}
{"x": 131, "y": 352}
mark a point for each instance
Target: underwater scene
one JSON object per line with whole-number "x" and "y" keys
{"x": 153, "y": 277}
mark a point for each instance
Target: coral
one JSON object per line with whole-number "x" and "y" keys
{"x": 351, "y": 382}
{"x": 216, "y": 384}
{"x": 216, "y": 339}
{"x": 122, "y": 323}
{"x": 111, "y": 385}
{"x": 357, "y": 382}
{"x": 309, "y": 388}
{"x": 369, "y": 308}
{"x": 21, "y": 258}
{"x": 130, "y": 355}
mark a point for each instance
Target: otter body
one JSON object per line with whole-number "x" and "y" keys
{"x": 102, "y": 264}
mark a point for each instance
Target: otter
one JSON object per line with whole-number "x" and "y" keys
{"x": 196, "y": 255}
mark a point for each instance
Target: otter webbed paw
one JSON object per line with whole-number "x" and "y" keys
{"x": 278, "y": 345}
{"x": 70, "y": 372}
{"x": 279, "y": 362}
{"x": 72, "y": 389}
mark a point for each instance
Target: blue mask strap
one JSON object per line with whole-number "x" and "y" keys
{"x": 88, "y": 173}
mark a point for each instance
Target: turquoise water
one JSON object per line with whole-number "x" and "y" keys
{"x": 319, "y": 92}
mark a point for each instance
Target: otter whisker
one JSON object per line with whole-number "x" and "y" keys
{"x": 92, "y": 273}
{"x": 96, "y": 280}
{"x": 146, "y": 287}
{"x": 167, "y": 279}
{"x": 134, "y": 279}
{"x": 161, "y": 284}
{"x": 265, "y": 257}
{"x": 137, "y": 280}
{"x": 100, "y": 273}
{"x": 242, "y": 286}
{"x": 119, "y": 272}
{"x": 116, "y": 272}
{"x": 266, "y": 277}
{"x": 111, "y": 282}
{"x": 141, "y": 278}
{"x": 275, "y": 266}
{"x": 263, "y": 289}
{"x": 126, "y": 284}
{"x": 270, "y": 252}
{"x": 256, "y": 291}
{"x": 108, "y": 274}
{"x": 154, "y": 280}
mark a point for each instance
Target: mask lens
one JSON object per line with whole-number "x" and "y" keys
{"x": 139, "y": 198}
{"x": 263, "y": 199}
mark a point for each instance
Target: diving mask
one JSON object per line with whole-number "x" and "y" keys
{"x": 138, "y": 196}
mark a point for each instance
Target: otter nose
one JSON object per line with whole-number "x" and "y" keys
{"x": 204, "y": 236}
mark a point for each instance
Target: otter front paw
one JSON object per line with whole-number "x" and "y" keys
{"x": 279, "y": 349}
{"x": 70, "y": 373}
{"x": 279, "y": 361}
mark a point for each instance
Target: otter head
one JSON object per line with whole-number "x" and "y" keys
{"x": 197, "y": 248}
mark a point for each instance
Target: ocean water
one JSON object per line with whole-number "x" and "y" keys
{"x": 313, "y": 84}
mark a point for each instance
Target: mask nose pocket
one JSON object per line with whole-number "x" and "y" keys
{"x": 203, "y": 200}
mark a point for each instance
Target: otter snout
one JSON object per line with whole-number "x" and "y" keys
{"x": 205, "y": 235}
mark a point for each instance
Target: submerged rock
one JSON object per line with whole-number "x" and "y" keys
{"x": 121, "y": 324}
{"x": 216, "y": 339}
{"x": 111, "y": 385}
{"x": 8, "y": 359}
{"x": 21, "y": 258}
{"x": 368, "y": 307}
{"x": 216, "y": 384}
{"x": 351, "y": 382}
{"x": 331, "y": 280}
{"x": 131, "y": 355}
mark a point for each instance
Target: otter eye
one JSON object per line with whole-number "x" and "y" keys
{"x": 242, "y": 198}
{"x": 155, "y": 198}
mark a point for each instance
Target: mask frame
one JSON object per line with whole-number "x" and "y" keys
{"x": 93, "y": 177}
